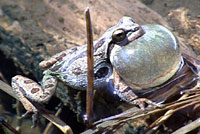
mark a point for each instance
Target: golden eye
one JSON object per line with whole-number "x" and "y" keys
{"x": 118, "y": 35}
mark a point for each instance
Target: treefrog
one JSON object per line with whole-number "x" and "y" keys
{"x": 127, "y": 57}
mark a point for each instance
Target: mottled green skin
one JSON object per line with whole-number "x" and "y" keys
{"x": 149, "y": 57}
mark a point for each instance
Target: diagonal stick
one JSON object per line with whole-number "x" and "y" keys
{"x": 90, "y": 61}
{"x": 46, "y": 114}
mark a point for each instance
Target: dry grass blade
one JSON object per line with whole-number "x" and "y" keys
{"x": 90, "y": 61}
{"x": 49, "y": 116}
{"x": 167, "y": 114}
{"x": 171, "y": 112}
{"x": 49, "y": 126}
{"x": 6, "y": 88}
{"x": 109, "y": 124}
{"x": 57, "y": 122}
{"x": 193, "y": 125}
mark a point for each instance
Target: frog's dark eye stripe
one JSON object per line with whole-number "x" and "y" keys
{"x": 118, "y": 35}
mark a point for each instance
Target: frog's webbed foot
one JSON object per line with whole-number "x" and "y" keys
{"x": 31, "y": 110}
{"x": 35, "y": 116}
{"x": 25, "y": 114}
{"x": 141, "y": 103}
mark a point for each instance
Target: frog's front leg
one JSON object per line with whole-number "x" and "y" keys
{"x": 127, "y": 94}
{"x": 28, "y": 90}
{"x": 122, "y": 89}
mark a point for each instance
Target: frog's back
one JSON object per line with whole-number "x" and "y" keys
{"x": 72, "y": 68}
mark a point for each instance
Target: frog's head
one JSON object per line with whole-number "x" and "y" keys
{"x": 121, "y": 34}
{"x": 125, "y": 31}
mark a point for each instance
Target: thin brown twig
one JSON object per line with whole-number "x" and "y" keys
{"x": 90, "y": 61}
{"x": 168, "y": 114}
{"x": 8, "y": 126}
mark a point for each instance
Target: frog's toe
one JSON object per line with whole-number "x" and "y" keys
{"x": 160, "y": 105}
{"x": 26, "y": 114}
{"x": 35, "y": 116}
{"x": 34, "y": 119}
{"x": 141, "y": 103}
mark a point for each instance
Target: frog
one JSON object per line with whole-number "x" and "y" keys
{"x": 110, "y": 63}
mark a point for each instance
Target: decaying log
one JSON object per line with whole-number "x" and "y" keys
{"x": 31, "y": 31}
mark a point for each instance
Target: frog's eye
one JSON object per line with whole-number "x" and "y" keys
{"x": 118, "y": 35}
